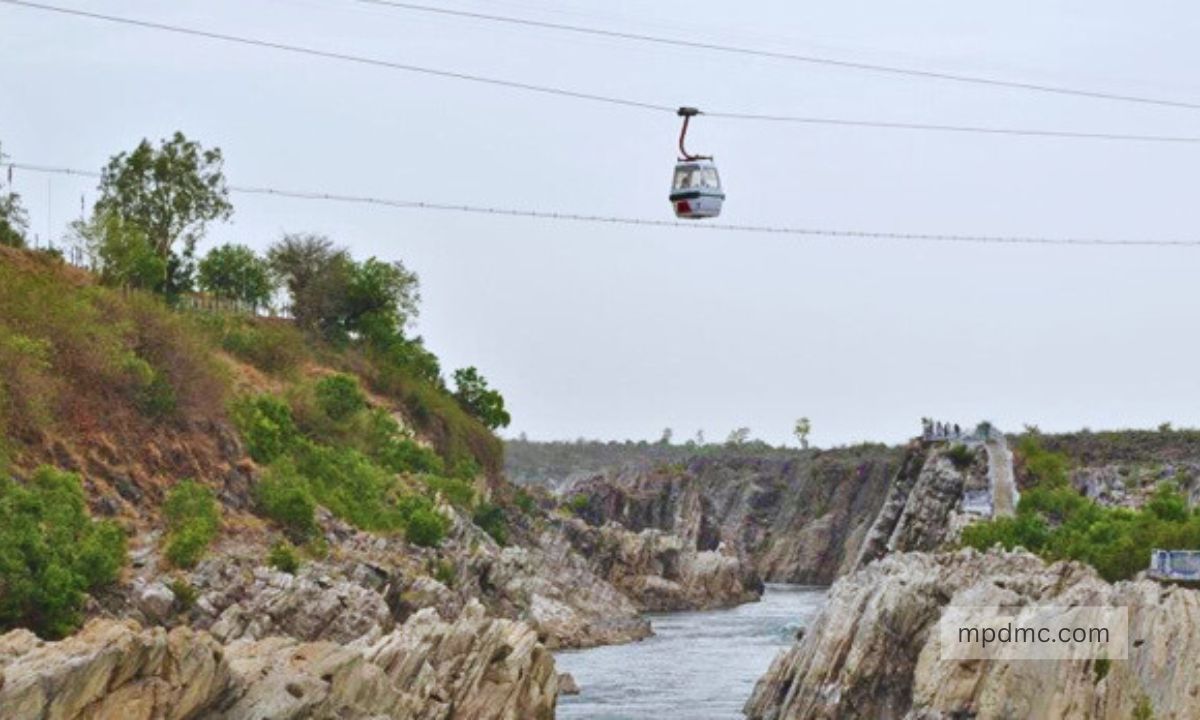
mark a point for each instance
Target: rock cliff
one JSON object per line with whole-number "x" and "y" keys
{"x": 428, "y": 669}
{"x": 873, "y": 651}
{"x": 662, "y": 572}
{"x": 798, "y": 518}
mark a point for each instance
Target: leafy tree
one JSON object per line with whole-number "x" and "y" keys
{"x": 382, "y": 297}
{"x": 665, "y": 439}
{"x": 802, "y": 429}
{"x": 171, "y": 192}
{"x": 121, "y": 252}
{"x": 316, "y": 275}
{"x": 338, "y": 297}
{"x": 473, "y": 394}
{"x": 738, "y": 437}
{"x": 51, "y": 553}
{"x": 235, "y": 272}
{"x": 14, "y": 223}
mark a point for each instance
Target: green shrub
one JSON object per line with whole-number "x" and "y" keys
{"x": 402, "y": 455}
{"x": 192, "y": 522}
{"x": 271, "y": 346}
{"x": 1100, "y": 669}
{"x": 352, "y": 487}
{"x": 426, "y": 527}
{"x": 578, "y": 503}
{"x": 339, "y": 396}
{"x": 1045, "y": 467}
{"x": 492, "y": 520}
{"x": 283, "y": 495}
{"x": 283, "y": 558}
{"x": 185, "y": 593}
{"x": 51, "y": 553}
{"x": 150, "y": 391}
{"x": 1144, "y": 710}
{"x": 266, "y": 426}
{"x": 524, "y": 501}
{"x": 458, "y": 492}
{"x": 960, "y": 456}
{"x": 1058, "y": 523}
{"x": 443, "y": 572}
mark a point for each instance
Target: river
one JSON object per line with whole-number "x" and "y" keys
{"x": 697, "y": 666}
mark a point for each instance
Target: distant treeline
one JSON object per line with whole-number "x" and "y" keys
{"x": 557, "y": 462}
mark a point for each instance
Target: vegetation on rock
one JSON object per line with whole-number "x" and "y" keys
{"x": 1056, "y": 522}
{"x": 51, "y": 553}
{"x": 193, "y": 520}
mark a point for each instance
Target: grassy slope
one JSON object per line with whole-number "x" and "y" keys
{"x": 135, "y": 397}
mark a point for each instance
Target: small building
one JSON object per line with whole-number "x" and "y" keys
{"x": 1177, "y": 565}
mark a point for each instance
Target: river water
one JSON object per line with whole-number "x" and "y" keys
{"x": 697, "y": 666}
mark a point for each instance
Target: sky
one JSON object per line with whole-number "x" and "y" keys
{"x": 615, "y": 332}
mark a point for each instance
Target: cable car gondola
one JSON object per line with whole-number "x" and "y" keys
{"x": 696, "y": 186}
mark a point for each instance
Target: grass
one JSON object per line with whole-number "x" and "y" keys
{"x": 75, "y": 354}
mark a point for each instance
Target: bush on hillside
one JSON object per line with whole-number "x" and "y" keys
{"x": 51, "y": 553}
{"x": 457, "y": 492}
{"x": 271, "y": 346}
{"x": 266, "y": 426}
{"x": 1046, "y": 468}
{"x": 339, "y": 396}
{"x": 283, "y": 495}
{"x": 1059, "y": 523}
{"x": 283, "y": 558}
{"x": 426, "y": 527}
{"x": 960, "y": 456}
{"x": 75, "y": 353}
{"x": 490, "y": 518}
{"x": 192, "y": 521}
{"x": 352, "y": 487}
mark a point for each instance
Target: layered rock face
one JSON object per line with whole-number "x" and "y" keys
{"x": 873, "y": 652}
{"x": 799, "y": 519}
{"x": 662, "y": 572}
{"x": 923, "y": 507}
{"x": 474, "y": 667}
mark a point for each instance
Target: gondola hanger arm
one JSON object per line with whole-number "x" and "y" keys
{"x": 687, "y": 113}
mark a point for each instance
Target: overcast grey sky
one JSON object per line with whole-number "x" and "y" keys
{"x": 615, "y": 332}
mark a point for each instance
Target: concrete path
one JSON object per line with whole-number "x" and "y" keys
{"x": 1005, "y": 495}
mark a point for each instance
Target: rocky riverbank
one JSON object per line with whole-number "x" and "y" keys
{"x": 427, "y": 669}
{"x": 873, "y": 650}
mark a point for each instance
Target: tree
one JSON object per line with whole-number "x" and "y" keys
{"x": 485, "y": 404}
{"x": 236, "y": 273}
{"x": 14, "y": 223}
{"x": 298, "y": 259}
{"x": 700, "y": 437}
{"x": 802, "y": 429}
{"x": 121, "y": 252}
{"x": 738, "y": 437}
{"x": 171, "y": 192}
{"x": 667, "y": 434}
{"x": 381, "y": 300}
{"x": 340, "y": 298}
